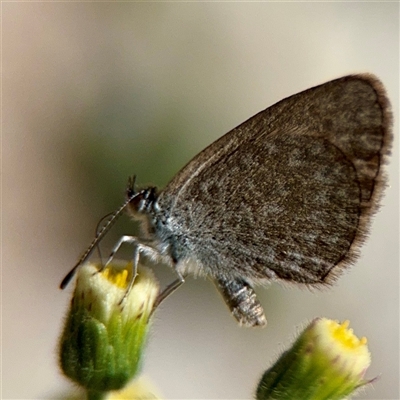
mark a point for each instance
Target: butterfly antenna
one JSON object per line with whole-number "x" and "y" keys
{"x": 100, "y": 234}
{"x": 98, "y": 229}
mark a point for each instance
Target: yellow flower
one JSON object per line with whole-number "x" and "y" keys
{"x": 327, "y": 361}
{"x": 103, "y": 338}
{"x": 342, "y": 346}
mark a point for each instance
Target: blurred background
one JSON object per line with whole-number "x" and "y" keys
{"x": 95, "y": 92}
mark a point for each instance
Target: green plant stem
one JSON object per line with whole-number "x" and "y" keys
{"x": 95, "y": 395}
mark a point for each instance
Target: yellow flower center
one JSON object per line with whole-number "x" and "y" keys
{"x": 116, "y": 276}
{"x": 345, "y": 336}
{"x": 337, "y": 342}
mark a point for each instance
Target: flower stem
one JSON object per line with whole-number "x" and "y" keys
{"x": 95, "y": 395}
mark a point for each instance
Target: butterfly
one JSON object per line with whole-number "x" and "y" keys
{"x": 286, "y": 196}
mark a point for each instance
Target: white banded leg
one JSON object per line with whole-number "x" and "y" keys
{"x": 169, "y": 289}
{"x": 139, "y": 248}
{"x": 150, "y": 251}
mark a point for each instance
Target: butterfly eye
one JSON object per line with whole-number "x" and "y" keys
{"x": 142, "y": 201}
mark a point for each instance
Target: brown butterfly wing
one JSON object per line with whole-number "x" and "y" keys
{"x": 289, "y": 193}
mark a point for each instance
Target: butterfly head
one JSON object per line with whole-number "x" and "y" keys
{"x": 140, "y": 201}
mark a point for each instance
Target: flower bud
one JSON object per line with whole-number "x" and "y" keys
{"x": 327, "y": 361}
{"x": 103, "y": 338}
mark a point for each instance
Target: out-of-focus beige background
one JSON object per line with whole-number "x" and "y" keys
{"x": 94, "y": 92}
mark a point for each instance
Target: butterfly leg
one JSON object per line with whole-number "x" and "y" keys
{"x": 152, "y": 253}
{"x": 242, "y": 301}
{"x": 121, "y": 241}
{"x": 139, "y": 248}
{"x": 169, "y": 289}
